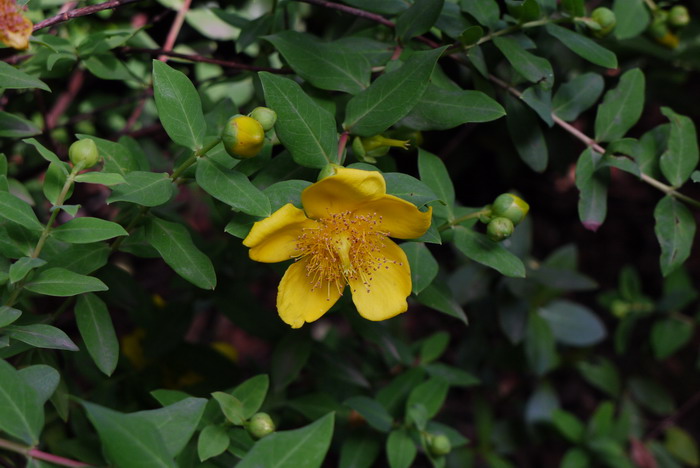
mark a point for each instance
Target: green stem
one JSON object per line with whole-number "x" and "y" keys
{"x": 177, "y": 173}
{"x": 31, "y": 452}
{"x": 464, "y": 218}
{"x": 652, "y": 6}
{"x": 517, "y": 27}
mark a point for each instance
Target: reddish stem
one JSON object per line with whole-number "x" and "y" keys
{"x": 341, "y": 145}
{"x": 39, "y": 455}
{"x": 200, "y": 58}
{"x": 88, "y": 10}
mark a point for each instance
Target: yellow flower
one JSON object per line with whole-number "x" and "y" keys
{"x": 340, "y": 238}
{"x": 15, "y": 29}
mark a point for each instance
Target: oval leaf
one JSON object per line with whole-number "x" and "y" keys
{"x": 18, "y": 211}
{"x": 621, "y": 107}
{"x": 20, "y": 413}
{"x": 481, "y": 249}
{"x": 143, "y": 188}
{"x": 62, "y": 282}
{"x": 232, "y": 188}
{"x": 583, "y": 46}
{"x": 675, "y": 230}
{"x": 41, "y": 336}
{"x": 96, "y": 328}
{"x": 87, "y": 230}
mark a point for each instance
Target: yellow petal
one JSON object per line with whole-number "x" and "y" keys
{"x": 386, "y": 294}
{"x": 401, "y": 219}
{"x": 274, "y": 239}
{"x": 298, "y": 301}
{"x": 346, "y": 190}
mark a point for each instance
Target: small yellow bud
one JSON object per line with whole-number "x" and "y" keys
{"x": 243, "y": 137}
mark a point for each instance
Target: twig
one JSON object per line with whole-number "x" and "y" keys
{"x": 65, "y": 99}
{"x": 200, "y": 58}
{"x": 673, "y": 418}
{"x": 78, "y": 12}
{"x": 175, "y": 30}
{"x": 352, "y": 11}
{"x": 39, "y": 455}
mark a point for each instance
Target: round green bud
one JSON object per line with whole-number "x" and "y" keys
{"x": 84, "y": 152}
{"x": 499, "y": 229}
{"x": 678, "y": 16}
{"x": 487, "y": 215}
{"x": 328, "y": 170}
{"x": 358, "y": 148}
{"x": 260, "y": 425}
{"x": 620, "y": 308}
{"x": 605, "y": 18}
{"x": 243, "y": 137}
{"x": 266, "y": 116}
{"x": 439, "y": 445}
{"x": 510, "y": 206}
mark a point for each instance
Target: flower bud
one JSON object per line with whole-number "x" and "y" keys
{"x": 84, "y": 152}
{"x": 510, "y": 206}
{"x": 499, "y": 229}
{"x": 266, "y": 116}
{"x": 260, "y": 425}
{"x": 243, "y": 137}
{"x": 606, "y": 19}
{"x": 678, "y": 16}
{"x": 328, "y": 170}
{"x": 660, "y": 31}
{"x": 439, "y": 445}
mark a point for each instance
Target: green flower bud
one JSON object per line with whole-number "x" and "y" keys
{"x": 243, "y": 137}
{"x": 487, "y": 215}
{"x": 260, "y": 425}
{"x": 358, "y": 149}
{"x": 84, "y": 152}
{"x": 606, "y": 19}
{"x": 328, "y": 170}
{"x": 660, "y": 31}
{"x": 439, "y": 445}
{"x": 266, "y": 116}
{"x": 678, "y": 16}
{"x": 510, "y": 206}
{"x": 499, "y": 229}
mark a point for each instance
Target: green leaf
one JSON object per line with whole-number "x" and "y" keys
{"x": 433, "y": 347}
{"x": 306, "y": 130}
{"x": 12, "y": 78}
{"x": 486, "y": 12}
{"x": 118, "y": 159}
{"x": 143, "y": 188}
{"x": 681, "y": 157}
{"x": 632, "y": 18}
{"x": 391, "y": 96}
{"x": 393, "y": 395}
{"x": 418, "y": 18}
{"x": 575, "y": 8}
{"x": 289, "y": 358}
{"x": 127, "y": 441}
{"x": 569, "y": 425}
{"x": 213, "y": 441}
{"x": 621, "y": 107}
{"x": 46, "y": 153}
{"x": 299, "y": 448}
{"x": 431, "y": 394}
{"x": 540, "y": 101}
{"x": 179, "y": 107}
{"x": 471, "y": 35}
{"x": 43, "y": 379}
{"x": 592, "y": 184}
{"x": 86, "y": 230}
{"x": 408, "y": 188}
{"x": 23, "y": 266}
{"x": 439, "y": 298}
{"x": 359, "y": 451}
{"x": 434, "y": 174}
{"x": 54, "y": 179}
{"x": 81, "y": 258}
{"x": 573, "y": 324}
{"x": 41, "y": 336}
{"x": 583, "y": 46}
{"x": 577, "y": 95}
{"x": 287, "y": 191}
{"x": 452, "y": 375}
{"x": 62, "y": 282}
{"x": 575, "y": 458}
{"x": 176, "y": 422}
{"x": 526, "y": 135}
{"x": 232, "y": 188}
{"x": 481, "y": 249}
{"x": 20, "y": 414}
{"x": 602, "y": 374}
{"x": 540, "y": 348}
{"x": 675, "y": 230}
{"x": 374, "y": 413}
{"x": 533, "y": 68}
{"x": 325, "y": 65}
{"x": 103, "y": 178}
{"x": 651, "y": 395}
{"x": 400, "y": 449}
{"x": 682, "y": 445}
{"x": 669, "y": 335}
{"x": 18, "y": 211}
{"x": 424, "y": 267}
{"x": 251, "y": 394}
{"x": 95, "y": 325}
{"x": 174, "y": 244}
{"x": 8, "y": 315}
{"x": 14, "y": 126}
{"x": 441, "y": 109}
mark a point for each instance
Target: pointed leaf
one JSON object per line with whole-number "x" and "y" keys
{"x": 179, "y": 106}
{"x": 621, "y": 107}
{"x": 41, "y": 336}
{"x": 62, "y": 282}
{"x": 418, "y": 18}
{"x": 675, "y": 230}
{"x": 681, "y": 157}
{"x": 18, "y": 211}
{"x": 20, "y": 414}
{"x": 98, "y": 333}
{"x": 577, "y": 95}
{"x": 175, "y": 245}
{"x": 424, "y": 267}
{"x": 143, "y": 188}
{"x": 232, "y": 188}
{"x": 481, "y": 249}
{"x": 86, "y": 230}
{"x": 23, "y": 266}
{"x": 583, "y": 46}
{"x": 533, "y": 68}
{"x": 176, "y": 422}
{"x": 592, "y": 184}
{"x": 12, "y": 78}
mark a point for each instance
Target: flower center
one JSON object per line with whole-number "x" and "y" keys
{"x": 343, "y": 247}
